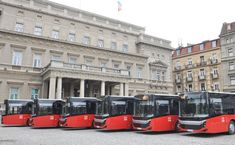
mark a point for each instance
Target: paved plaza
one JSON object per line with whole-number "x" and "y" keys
{"x": 58, "y": 136}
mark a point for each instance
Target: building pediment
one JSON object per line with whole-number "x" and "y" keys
{"x": 158, "y": 63}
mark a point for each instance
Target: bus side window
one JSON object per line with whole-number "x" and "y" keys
{"x": 129, "y": 108}
{"x": 91, "y": 108}
{"x": 175, "y": 107}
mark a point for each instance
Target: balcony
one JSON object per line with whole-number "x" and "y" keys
{"x": 201, "y": 77}
{"x": 215, "y": 75}
{"x": 177, "y": 81}
{"x": 202, "y": 63}
{"x": 177, "y": 68}
{"x": 86, "y": 68}
{"x": 189, "y": 79}
{"x": 20, "y": 68}
{"x": 189, "y": 66}
{"x": 214, "y": 61}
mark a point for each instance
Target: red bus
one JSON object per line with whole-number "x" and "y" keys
{"x": 114, "y": 113}
{"x": 156, "y": 112}
{"x": 207, "y": 112}
{"x": 79, "y": 112}
{"x": 46, "y": 113}
{"x": 17, "y": 112}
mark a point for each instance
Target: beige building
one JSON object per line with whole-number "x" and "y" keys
{"x": 198, "y": 67}
{"x": 48, "y": 50}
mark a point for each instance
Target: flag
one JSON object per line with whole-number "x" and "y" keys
{"x": 119, "y": 6}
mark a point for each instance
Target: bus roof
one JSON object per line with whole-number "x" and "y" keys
{"x": 84, "y": 99}
{"x": 211, "y": 92}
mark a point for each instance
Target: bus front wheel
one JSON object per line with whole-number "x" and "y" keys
{"x": 231, "y": 128}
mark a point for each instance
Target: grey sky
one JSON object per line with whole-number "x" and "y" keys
{"x": 191, "y": 21}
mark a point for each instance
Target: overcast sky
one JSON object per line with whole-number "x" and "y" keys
{"x": 189, "y": 21}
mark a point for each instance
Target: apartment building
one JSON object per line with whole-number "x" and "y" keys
{"x": 198, "y": 67}
{"x": 49, "y": 50}
{"x": 227, "y": 37}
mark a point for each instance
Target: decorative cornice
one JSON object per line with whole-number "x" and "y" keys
{"x": 79, "y": 20}
{"x": 15, "y": 82}
{"x": 18, "y": 46}
{"x": 38, "y": 49}
{"x": 23, "y": 37}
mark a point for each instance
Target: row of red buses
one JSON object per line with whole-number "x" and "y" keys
{"x": 207, "y": 112}
{"x": 114, "y": 113}
{"x": 199, "y": 112}
{"x": 17, "y": 112}
{"x": 156, "y": 112}
{"x": 79, "y": 112}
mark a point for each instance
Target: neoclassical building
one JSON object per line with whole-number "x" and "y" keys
{"x": 49, "y": 50}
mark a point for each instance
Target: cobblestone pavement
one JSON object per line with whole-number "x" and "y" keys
{"x": 58, "y": 136}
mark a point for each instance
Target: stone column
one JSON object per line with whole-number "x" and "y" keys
{"x": 126, "y": 89}
{"x": 102, "y": 88}
{"x": 72, "y": 90}
{"x": 59, "y": 88}
{"x": 52, "y": 88}
{"x": 121, "y": 89}
{"x": 82, "y": 88}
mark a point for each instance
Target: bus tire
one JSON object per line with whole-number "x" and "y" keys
{"x": 28, "y": 123}
{"x": 177, "y": 127}
{"x": 231, "y": 128}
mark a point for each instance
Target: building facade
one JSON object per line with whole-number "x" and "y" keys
{"x": 48, "y": 50}
{"x": 227, "y": 37}
{"x": 197, "y": 67}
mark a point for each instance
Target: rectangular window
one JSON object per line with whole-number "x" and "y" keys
{"x": 38, "y": 30}
{"x": 189, "y": 74}
{"x": 232, "y": 80}
{"x": 190, "y": 61}
{"x": 190, "y": 87}
{"x": 216, "y": 86}
{"x": 55, "y": 34}
{"x": 139, "y": 72}
{"x": 34, "y": 93}
{"x": 71, "y": 37}
{"x": 231, "y": 65}
{"x": 56, "y": 57}
{"x": 202, "y": 59}
{"x": 125, "y": 48}
{"x": 163, "y": 76}
{"x": 72, "y": 60}
{"x": 158, "y": 77}
{"x": 19, "y": 27}
{"x": 189, "y": 49}
{"x": 178, "y": 52}
{"x": 37, "y": 60}
{"x": 203, "y": 87}
{"x": 202, "y": 72}
{"x": 14, "y": 93}
{"x": 201, "y": 47}
{"x": 86, "y": 40}
{"x": 100, "y": 43}
{"x": 17, "y": 58}
{"x": 113, "y": 45}
{"x": 230, "y": 52}
{"x": 213, "y": 43}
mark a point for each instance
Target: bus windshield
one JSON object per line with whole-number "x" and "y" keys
{"x": 43, "y": 109}
{"x": 75, "y": 108}
{"x": 143, "y": 108}
{"x": 102, "y": 108}
{"x": 15, "y": 108}
{"x": 118, "y": 107}
{"x": 194, "y": 105}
